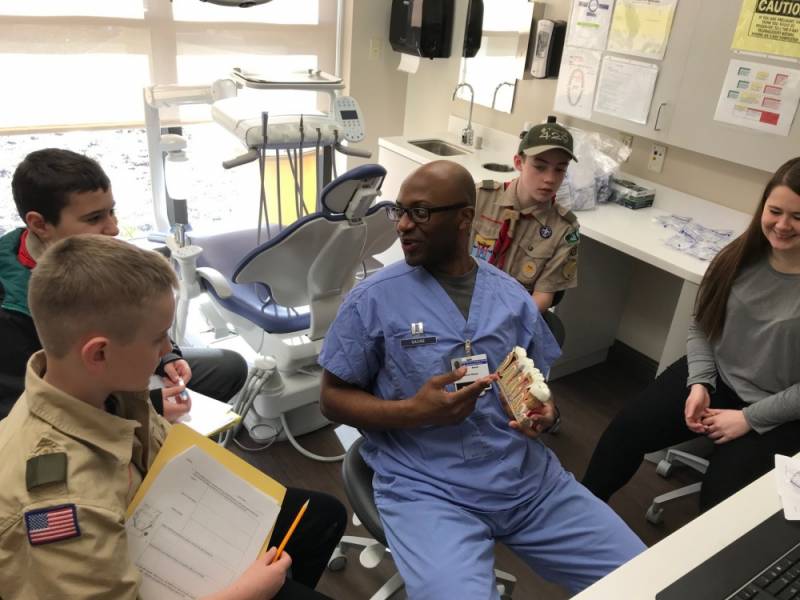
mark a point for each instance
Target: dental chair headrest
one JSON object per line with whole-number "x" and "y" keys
{"x": 352, "y": 193}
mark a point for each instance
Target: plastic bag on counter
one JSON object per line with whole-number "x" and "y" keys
{"x": 588, "y": 181}
{"x": 692, "y": 238}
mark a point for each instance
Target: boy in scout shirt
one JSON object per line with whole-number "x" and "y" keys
{"x": 80, "y": 439}
{"x": 518, "y": 225}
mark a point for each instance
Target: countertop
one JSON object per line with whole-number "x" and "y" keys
{"x": 633, "y": 232}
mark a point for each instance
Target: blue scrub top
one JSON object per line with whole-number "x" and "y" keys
{"x": 480, "y": 463}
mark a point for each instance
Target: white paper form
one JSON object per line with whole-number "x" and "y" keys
{"x": 625, "y": 88}
{"x": 642, "y": 27}
{"x": 577, "y": 80}
{"x": 208, "y": 416}
{"x": 199, "y": 527}
{"x": 787, "y": 478}
{"x": 759, "y": 96}
{"x": 589, "y": 22}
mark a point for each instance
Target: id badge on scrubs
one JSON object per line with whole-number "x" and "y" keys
{"x": 477, "y": 367}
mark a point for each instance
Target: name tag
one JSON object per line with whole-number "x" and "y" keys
{"x": 477, "y": 367}
{"x": 419, "y": 341}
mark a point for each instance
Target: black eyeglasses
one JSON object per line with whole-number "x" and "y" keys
{"x": 418, "y": 214}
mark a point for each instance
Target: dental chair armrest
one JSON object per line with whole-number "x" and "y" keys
{"x": 350, "y": 151}
{"x": 215, "y": 279}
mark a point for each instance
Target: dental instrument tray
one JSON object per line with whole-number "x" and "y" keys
{"x": 630, "y": 194}
{"x": 522, "y": 384}
{"x": 309, "y": 78}
{"x": 243, "y": 119}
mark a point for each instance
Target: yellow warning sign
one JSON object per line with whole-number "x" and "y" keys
{"x": 769, "y": 27}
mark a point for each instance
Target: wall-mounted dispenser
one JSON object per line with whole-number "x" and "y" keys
{"x": 547, "y": 47}
{"x": 474, "y": 30}
{"x": 422, "y": 27}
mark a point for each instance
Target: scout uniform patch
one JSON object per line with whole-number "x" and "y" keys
{"x": 52, "y": 524}
{"x": 545, "y": 231}
{"x": 46, "y": 468}
{"x": 573, "y": 237}
{"x": 529, "y": 269}
{"x": 570, "y": 268}
{"x": 482, "y": 247}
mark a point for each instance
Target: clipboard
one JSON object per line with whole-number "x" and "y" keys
{"x": 181, "y": 438}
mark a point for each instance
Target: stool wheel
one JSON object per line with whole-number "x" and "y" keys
{"x": 337, "y": 561}
{"x": 664, "y": 468}
{"x": 655, "y": 514}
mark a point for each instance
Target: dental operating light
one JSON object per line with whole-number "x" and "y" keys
{"x": 239, "y": 3}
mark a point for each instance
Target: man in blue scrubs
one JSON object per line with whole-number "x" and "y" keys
{"x": 452, "y": 474}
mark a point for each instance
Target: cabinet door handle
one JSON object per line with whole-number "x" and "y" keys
{"x": 658, "y": 116}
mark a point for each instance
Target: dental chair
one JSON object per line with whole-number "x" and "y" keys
{"x": 282, "y": 295}
{"x": 357, "y": 477}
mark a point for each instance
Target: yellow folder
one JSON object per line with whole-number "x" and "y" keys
{"x": 181, "y": 438}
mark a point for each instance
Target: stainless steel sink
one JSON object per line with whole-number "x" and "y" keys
{"x": 438, "y": 147}
{"x": 499, "y": 167}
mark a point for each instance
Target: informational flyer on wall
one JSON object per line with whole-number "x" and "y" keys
{"x": 576, "y": 82}
{"x": 642, "y": 27}
{"x": 759, "y": 96}
{"x": 588, "y": 23}
{"x": 625, "y": 88}
{"x": 769, "y": 27}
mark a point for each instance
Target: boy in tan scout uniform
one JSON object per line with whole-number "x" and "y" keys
{"x": 518, "y": 225}
{"x": 79, "y": 441}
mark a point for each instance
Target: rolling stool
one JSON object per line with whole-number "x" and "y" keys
{"x": 357, "y": 477}
{"x": 676, "y": 457}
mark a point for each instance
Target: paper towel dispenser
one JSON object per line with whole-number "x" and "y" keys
{"x": 474, "y": 30}
{"x": 422, "y": 27}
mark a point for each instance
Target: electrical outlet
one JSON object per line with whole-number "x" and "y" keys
{"x": 375, "y": 48}
{"x": 656, "y": 161}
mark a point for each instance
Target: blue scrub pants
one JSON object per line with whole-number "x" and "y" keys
{"x": 565, "y": 534}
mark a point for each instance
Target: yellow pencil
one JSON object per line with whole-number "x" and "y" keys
{"x": 289, "y": 533}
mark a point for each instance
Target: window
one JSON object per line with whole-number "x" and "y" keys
{"x": 79, "y": 66}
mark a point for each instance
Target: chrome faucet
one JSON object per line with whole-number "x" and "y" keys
{"x": 466, "y": 134}
{"x": 497, "y": 89}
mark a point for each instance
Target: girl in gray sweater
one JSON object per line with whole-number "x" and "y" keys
{"x": 739, "y": 383}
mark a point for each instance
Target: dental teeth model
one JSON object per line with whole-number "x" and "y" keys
{"x": 522, "y": 384}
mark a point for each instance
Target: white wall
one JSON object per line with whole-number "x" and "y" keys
{"x": 428, "y": 105}
{"x": 430, "y": 90}
{"x": 369, "y": 68}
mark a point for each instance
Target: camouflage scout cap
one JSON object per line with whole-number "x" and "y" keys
{"x": 544, "y": 137}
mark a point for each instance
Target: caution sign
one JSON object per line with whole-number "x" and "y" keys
{"x": 769, "y": 27}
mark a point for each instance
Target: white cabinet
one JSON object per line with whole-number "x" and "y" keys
{"x": 693, "y": 124}
{"x": 670, "y": 73}
{"x": 397, "y": 169}
{"x": 688, "y": 87}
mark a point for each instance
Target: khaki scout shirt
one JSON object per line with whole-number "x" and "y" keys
{"x": 543, "y": 255}
{"x": 106, "y": 458}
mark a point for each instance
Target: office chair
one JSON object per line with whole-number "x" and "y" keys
{"x": 554, "y": 322}
{"x": 357, "y": 477}
{"x": 556, "y": 326}
{"x": 690, "y": 455}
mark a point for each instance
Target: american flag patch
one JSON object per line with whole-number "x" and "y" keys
{"x": 52, "y": 524}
